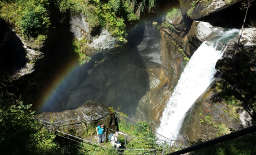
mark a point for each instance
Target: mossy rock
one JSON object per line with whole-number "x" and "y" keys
{"x": 82, "y": 121}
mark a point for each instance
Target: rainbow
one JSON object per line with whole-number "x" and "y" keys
{"x": 51, "y": 88}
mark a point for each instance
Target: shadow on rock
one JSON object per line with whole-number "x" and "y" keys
{"x": 12, "y": 53}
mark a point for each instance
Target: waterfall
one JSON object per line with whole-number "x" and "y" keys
{"x": 194, "y": 80}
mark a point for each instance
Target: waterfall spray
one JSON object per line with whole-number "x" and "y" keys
{"x": 194, "y": 80}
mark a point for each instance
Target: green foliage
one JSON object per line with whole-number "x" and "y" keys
{"x": 221, "y": 129}
{"x": 75, "y": 6}
{"x": 95, "y": 150}
{"x": 30, "y": 17}
{"x": 20, "y": 132}
{"x": 10, "y": 12}
{"x": 23, "y": 133}
{"x": 35, "y": 21}
{"x": 80, "y": 47}
{"x": 115, "y": 4}
{"x": 143, "y": 136}
{"x": 112, "y": 14}
{"x": 113, "y": 23}
{"x": 151, "y": 4}
{"x": 39, "y": 40}
{"x": 172, "y": 13}
{"x": 129, "y": 9}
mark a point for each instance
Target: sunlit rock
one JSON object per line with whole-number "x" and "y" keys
{"x": 104, "y": 41}
{"x": 199, "y": 9}
{"x": 248, "y": 38}
{"x": 97, "y": 39}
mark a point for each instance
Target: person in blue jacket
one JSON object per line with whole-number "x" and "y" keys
{"x": 100, "y": 132}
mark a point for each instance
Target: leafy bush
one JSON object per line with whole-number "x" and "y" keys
{"x": 142, "y": 134}
{"x": 115, "y": 5}
{"x": 94, "y": 150}
{"x": 31, "y": 17}
{"x": 35, "y": 21}
{"x": 23, "y": 133}
{"x": 80, "y": 48}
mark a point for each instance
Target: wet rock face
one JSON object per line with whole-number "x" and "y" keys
{"x": 80, "y": 121}
{"x": 207, "y": 120}
{"x": 152, "y": 104}
{"x": 172, "y": 39}
{"x": 172, "y": 58}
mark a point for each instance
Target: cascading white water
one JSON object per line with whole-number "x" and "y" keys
{"x": 194, "y": 80}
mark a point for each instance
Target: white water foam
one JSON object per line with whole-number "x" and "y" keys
{"x": 195, "y": 79}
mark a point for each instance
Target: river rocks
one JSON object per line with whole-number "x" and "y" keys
{"x": 204, "y": 30}
{"x": 199, "y": 9}
{"x": 80, "y": 121}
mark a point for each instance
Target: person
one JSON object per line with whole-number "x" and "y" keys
{"x": 114, "y": 141}
{"x": 100, "y": 133}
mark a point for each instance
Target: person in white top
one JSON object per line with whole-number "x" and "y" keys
{"x": 114, "y": 141}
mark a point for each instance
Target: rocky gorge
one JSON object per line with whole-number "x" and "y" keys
{"x": 136, "y": 78}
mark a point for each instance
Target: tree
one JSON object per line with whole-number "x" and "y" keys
{"x": 35, "y": 21}
{"x": 22, "y": 133}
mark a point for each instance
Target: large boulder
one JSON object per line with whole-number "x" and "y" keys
{"x": 198, "y": 33}
{"x": 207, "y": 120}
{"x": 196, "y": 9}
{"x": 81, "y": 121}
{"x": 204, "y": 31}
{"x": 104, "y": 41}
